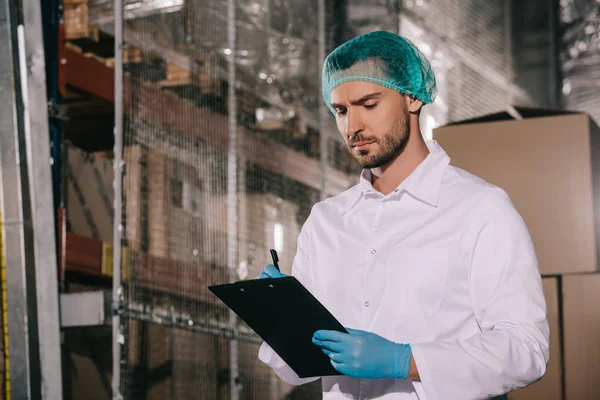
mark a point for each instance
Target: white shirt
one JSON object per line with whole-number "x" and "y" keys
{"x": 444, "y": 263}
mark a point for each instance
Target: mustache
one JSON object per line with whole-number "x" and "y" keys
{"x": 358, "y": 138}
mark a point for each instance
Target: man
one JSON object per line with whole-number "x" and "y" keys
{"x": 432, "y": 268}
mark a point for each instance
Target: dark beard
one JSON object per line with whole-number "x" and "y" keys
{"x": 391, "y": 145}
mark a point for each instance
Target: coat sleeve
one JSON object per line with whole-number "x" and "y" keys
{"x": 512, "y": 348}
{"x": 301, "y": 271}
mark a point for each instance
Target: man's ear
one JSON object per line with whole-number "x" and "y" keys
{"x": 414, "y": 105}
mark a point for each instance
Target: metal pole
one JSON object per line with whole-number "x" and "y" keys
{"x": 399, "y": 5}
{"x": 37, "y": 138}
{"x": 323, "y": 110}
{"x": 117, "y": 334}
{"x": 508, "y": 49}
{"x": 11, "y": 207}
{"x": 554, "y": 81}
{"x": 232, "y": 195}
{"x": 398, "y": 14}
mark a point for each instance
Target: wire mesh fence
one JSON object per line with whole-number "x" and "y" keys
{"x": 580, "y": 55}
{"x": 226, "y": 151}
{"x": 469, "y": 44}
{"x": 180, "y": 210}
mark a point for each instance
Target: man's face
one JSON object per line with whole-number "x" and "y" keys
{"x": 373, "y": 120}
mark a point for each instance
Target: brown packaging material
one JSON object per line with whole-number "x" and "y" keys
{"x": 550, "y": 386}
{"x": 549, "y": 167}
{"x": 75, "y": 14}
{"x": 581, "y": 315}
{"x": 159, "y": 219}
{"x": 90, "y": 194}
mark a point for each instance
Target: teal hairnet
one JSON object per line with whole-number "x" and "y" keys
{"x": 383, "y": 58}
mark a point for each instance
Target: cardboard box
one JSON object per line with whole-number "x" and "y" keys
{"x": 132, "y": 199}
{"x": 76, "y": 17}
{"x": 581, "y": 316}
{"x": 265, "y": 222}
{"x": 164, "y": 202}
{"x": 87, "y": 363}
{"x": 550, "y": 387}
{"x": 90, "y": 194}
{"x": 549, "y": 166}
{"x": 175, "y": 208}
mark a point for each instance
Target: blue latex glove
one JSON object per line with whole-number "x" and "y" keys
{"x": 270, "y": 272}
{"x": 361, "y": 354}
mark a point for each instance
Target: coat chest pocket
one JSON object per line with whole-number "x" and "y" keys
{"x": 416, "y": 280}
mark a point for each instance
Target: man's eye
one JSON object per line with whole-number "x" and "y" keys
{"x": 370, "y": 106}
{"x": 341, "y": 111}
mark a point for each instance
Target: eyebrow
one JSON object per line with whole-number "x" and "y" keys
{"x": 359, "y": 101}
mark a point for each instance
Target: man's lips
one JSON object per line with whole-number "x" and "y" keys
{"x": 360, "y": 145}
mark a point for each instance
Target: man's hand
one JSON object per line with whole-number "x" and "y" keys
{"x": 270, "y": 272}
{"x": 361, "y": 354}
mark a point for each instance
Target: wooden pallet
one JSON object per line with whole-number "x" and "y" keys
{"x": 176, "y": 76}
{"x": 131, "y": 54}
{"x": 109, "y": 62}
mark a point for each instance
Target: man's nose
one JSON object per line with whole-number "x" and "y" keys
{"x": 354, "y": 125}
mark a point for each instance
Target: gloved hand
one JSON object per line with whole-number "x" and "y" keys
{"x": 270, "y": 272}
{"x": 361, "y": 354}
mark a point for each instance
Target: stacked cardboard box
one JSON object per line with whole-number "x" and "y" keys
{"x": 176, "y": 210}
{"x": 169, "y": 363}
{"x": 581, "y": 321}
{"x": 164, "y": 204}
{"x": 173, "y": 211}
{"x": 90, "y": 194}
{"x": 76, "y": 18}
{"x": 549, "y": 164}
{"x": 550, "y": 387}
{"x": 265, "y": 222}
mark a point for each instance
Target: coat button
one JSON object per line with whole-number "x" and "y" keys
{"x": 366, "y": 304}
{"x": 373, "y": 251}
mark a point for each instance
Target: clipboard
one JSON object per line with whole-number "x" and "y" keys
{"x": 285, "y": 315}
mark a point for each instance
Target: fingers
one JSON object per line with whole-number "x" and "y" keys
{"x": 270, "y": 272}
{"x": 328, "y": 353}
{"x": 331, "y": 347}
{"x": 331, "y": 341}
{"x": 337, "y": 357}
{"x": 329, "y": 336}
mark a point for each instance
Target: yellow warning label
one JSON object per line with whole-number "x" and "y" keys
{"x": 107, "y": 260}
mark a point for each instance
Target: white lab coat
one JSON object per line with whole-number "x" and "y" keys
{"x": 444, "y": 263}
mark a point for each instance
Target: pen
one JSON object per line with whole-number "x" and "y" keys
{"x": 275, "y": 259}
